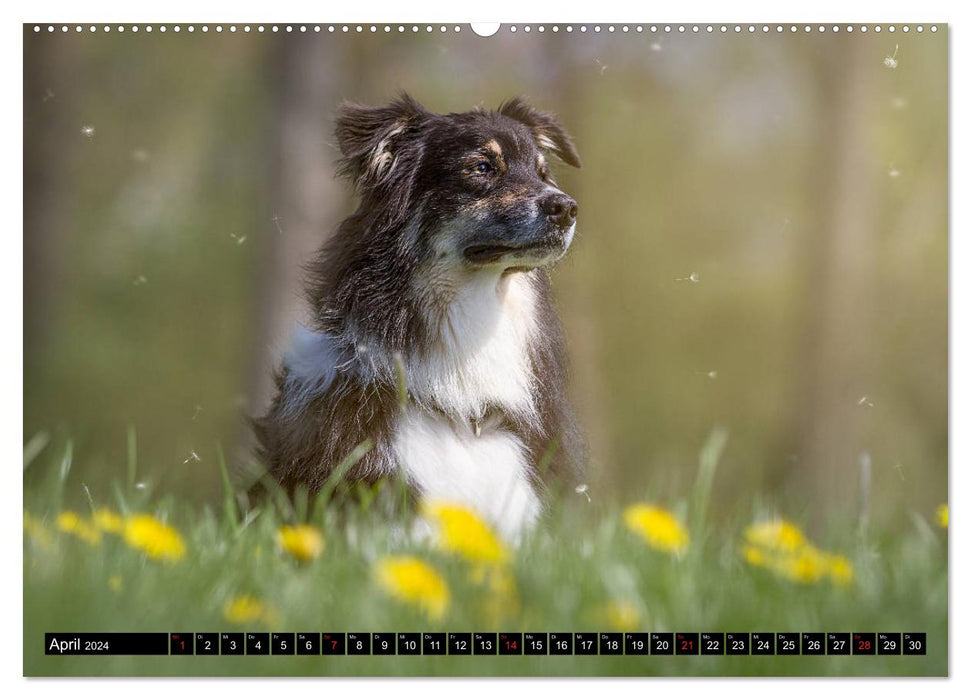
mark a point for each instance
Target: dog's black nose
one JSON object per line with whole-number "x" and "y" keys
{"x": 560, "y": 209}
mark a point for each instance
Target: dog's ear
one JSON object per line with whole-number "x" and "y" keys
{"x": 549, "y": 135}
{"x": 372, "y": 138}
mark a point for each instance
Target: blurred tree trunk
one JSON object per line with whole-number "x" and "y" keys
{"x": 306, "y": 200}
{"x": 836, "y": 367}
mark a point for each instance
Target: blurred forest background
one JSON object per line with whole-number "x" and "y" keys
{"x": 762, "y": 244}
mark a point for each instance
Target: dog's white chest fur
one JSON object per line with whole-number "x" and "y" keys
{"x": 481, "y": 357}
{"x": 481, "y": 361}
{"x": 487, "y": 473}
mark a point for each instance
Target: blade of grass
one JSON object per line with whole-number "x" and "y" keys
{"x": 229, "y": 496}
{"x": 402, "y": 501}
{"x": 132, "y": 460}
{"x": 35, "y": 446}
{"x": 87, "y": 492}
{"x": 66, "y": 461}
{"x": 548, "y": 454}
{"x": 275, "y": 493}
{"x": 708, "y": 460}
{"x": 301, "y": 500}
{"x": 63, "y": 470}
{"x": 121, "y": 498}
{"x": 337, "y": 476}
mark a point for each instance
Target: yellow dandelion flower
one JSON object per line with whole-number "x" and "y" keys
{"x": 942, "y": 515}
{"x": 775, "y": 534}
{"x": 302, "y": 542}
{"x": 657, "y": 527}
{"x": 622, "y": 615}
{"x": 781, "y": 547}
{"x": 841, "y": 570}
{"x": 154, "y": 538}
{"x": 74, "y": 524}
{"x": 754, "y": 556}
{"x": 115, "y": 584}
{"x": 414, "y": 582}
{"x": 806, "y": 565}
{"x": 107, "y": 520}
{"x": 244, "y": 609}
{"x": 35, "y": 529}
{"x": 463, "y": 533}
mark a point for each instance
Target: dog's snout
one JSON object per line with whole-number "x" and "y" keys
{"x": 559, "y": 208}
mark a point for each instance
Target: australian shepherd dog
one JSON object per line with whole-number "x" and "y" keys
{"x": 433, "y": 334}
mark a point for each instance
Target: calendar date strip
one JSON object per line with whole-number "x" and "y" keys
{"x": 486, "y": 643}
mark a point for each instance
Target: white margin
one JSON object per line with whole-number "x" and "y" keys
{"x": 440, "y": 11}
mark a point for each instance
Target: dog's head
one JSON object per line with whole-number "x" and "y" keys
{"x": 473, "y": 190}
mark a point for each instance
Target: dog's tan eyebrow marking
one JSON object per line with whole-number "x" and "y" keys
{"x": 543, "y": 170}
{"x": 493, "y": 147}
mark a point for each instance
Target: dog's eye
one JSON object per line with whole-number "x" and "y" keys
{"x": 482, "y": 166}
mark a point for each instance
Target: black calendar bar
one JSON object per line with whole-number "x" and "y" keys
{"x": 106, "y": 643}
{"x": 291, "y": 644}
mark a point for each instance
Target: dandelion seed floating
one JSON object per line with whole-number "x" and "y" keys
{"x": 240, "y": 240}
{"x": 198, "y": 410}
{"x": 582, "y": 490}
{"x": 713, "y": 374}
{"x": 48, "y": 95}
{"x": 864, "y": 401}
{"x": 893, "y": 172}
{"x": 140, "y": 280}
{"x": 693, "y": 277}
{"x": 891, "y": 61}
{"x": 87, "y": 130}
{"x": 193, "y": 457}
{"x": 276, "y": 222}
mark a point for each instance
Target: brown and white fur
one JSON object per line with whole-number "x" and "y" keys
{"x": 440, "y": 279}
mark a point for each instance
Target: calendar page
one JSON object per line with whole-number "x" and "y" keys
{"x": 485, "y": 350}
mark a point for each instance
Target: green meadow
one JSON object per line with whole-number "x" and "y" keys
{"x": 581, "y": 570}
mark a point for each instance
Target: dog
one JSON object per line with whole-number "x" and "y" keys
{"x": 433, "y": 335}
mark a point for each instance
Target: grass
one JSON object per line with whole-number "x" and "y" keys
{"x": 581, "y": 571}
